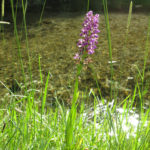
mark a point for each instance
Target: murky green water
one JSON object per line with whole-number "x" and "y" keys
{"x": 55, "y": 42}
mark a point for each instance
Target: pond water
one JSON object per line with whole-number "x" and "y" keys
{"x": 125, "y": 121}
{"x": 55, "y": 39}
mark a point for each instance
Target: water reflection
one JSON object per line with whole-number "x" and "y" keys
{"x": 122, "y": 120}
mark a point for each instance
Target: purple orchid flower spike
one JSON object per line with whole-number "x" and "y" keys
{"x": 89, "y": 36}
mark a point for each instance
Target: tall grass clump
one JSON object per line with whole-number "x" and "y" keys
{"x": 26, "y": 122}
{"x": 17, "y": 40}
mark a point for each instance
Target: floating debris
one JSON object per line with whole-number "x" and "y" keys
{"x": 4, "y": 22}
{"x": 112, "y": 62}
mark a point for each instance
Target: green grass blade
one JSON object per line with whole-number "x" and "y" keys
{"x": 44, "y": 100}
{"x": 45, "y": 93}
{"x": 42, "y": 11}
{"x": 24, "y": 7}
{"x": 88, "y": 5}
{"x": 18, "y": 41}
{"x": 41, "y": 77}
{"x": 109, "y": 44}
{"x": 129, "y": 21}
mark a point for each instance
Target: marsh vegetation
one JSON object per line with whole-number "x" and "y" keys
{"x": 44, "y": 105}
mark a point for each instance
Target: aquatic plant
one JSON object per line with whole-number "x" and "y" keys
{"x": 89, "y": 37}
